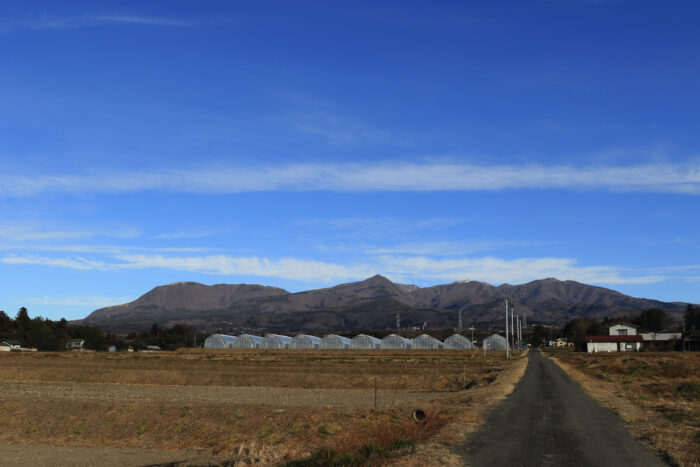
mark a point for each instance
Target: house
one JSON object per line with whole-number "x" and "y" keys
{"x": 663, "y": 335}
{"x": 623, "y": 329}
{"x": 614, "y": 343}
{"x": 9, "y": 345}
{"x": 75, "y": 344}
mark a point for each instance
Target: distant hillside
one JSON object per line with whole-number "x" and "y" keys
{"x": 369, "y": 304}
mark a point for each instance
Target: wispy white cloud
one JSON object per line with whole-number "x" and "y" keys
{"x": 91, "y": 300}
{"x": 497, "y": 270}
{"x": 286, "y": 268}
{"x": 19, "y": 231}
{"x": 71, "y": 263}
{"x": 402, "y": 268}
{"x": 449, "y": 248}
{"x": 659, "y": 178}
{"x": 86, "y": 21}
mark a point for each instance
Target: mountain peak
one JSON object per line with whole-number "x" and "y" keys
{"x": 377, "y": 278}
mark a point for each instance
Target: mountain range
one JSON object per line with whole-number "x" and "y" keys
{"x": 373, "y": 303}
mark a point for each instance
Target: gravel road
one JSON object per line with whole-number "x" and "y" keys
{"x": 278, "y": 397}
{"x": 549, "y": 420}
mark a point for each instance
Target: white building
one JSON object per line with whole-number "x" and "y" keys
{"x": 660, "y": 336}
{"x": 459, "y": 342}
{"x": 365, "y": 342}
{"x": 275, "y": 341}
{"x": 425, "y": 341}
{"x": 623, "y": 329}
{"x": 495, "y": 342}
{"x": 219, "y": 341}
{"x": 614, "y": 343}
{"x": 247, "y": 341}
{"x": 304, "y": 341}
{"x": 393, "y": 341}
{"x": 331, "y": 341}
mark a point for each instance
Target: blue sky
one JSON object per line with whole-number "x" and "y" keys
{"x": 305, "y": 144}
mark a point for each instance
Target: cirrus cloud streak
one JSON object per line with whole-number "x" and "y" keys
{"x": 389, "y": 177}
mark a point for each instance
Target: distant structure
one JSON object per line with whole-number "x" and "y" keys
{"x": 303, "y": 341}
{"x": 275, "y": 341}
{"x": 495, "y": 342}
{"x": 219, "y": 341}
{"x": 247, "y": 341}
{"x": 363, "y": 341}
{"x": 392, "y": 341}
{"x": 425, "y": 341}
{"x": 459, "y": 342}
{"x": 331, "y": 341}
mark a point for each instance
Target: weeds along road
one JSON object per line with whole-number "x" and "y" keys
{"x": 549, "y": 420}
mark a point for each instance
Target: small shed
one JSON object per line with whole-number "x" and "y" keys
{"x": 8, "y": 345}
{"x": 425, "y": 341}
{"x": 611, "y": 343}
{"x": 363, "y": 341}
{"x": 304, "y": 341}
{"x": 393, "y": 341}
{"x": 495, "y": 342}
{"x": 332, "y": 341}
{"x": 459, "y": 342}
{"x": 663, "y": 336}
{"x": 75, "y": 344}
{"x": 247, "y": 341}
{"x": 275, "y": 341}
{"x": 219, "y": 341}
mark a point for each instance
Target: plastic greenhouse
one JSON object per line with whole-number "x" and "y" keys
{"x": 331, "y": 341}
{"x": 304, "y": 341}
{"x": 219, "y": 341}
{"x": 247, "y": 341}
{"x": 425, "y": 341}
{"x": 275, "y": 341}
{"x": 392, "y": 341}
{"x": 495, "y": 342}
{"x": 363, "y": 341}
{"x": 459, "y": 342}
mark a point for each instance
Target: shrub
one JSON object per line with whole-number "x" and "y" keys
{"x": 689, "y": 390}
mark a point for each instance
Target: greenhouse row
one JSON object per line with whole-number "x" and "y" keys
{"x": 361, "y": 341}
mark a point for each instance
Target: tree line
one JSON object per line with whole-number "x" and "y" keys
{"x": 47, "y": 335}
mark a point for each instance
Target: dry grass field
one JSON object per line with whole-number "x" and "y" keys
{"x": 657, "y": 394}
{"x": 261, "y": 406}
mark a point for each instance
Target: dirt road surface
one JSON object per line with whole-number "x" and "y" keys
{"x": 279, "y": 397}
{"x": 549, "y": 420}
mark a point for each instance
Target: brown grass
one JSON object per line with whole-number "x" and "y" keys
{"x": 266, "y": 433}
{"x": 656, "y": 394}
{"x": 421, "y": 370}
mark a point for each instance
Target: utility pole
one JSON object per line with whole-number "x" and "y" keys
{"x": 512, "y": 329}
{"x": 398, "y": 321}
{"x": 520, "y": 333}
{"x": 459, "y": 322}
{"x": 507, "y": 341}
